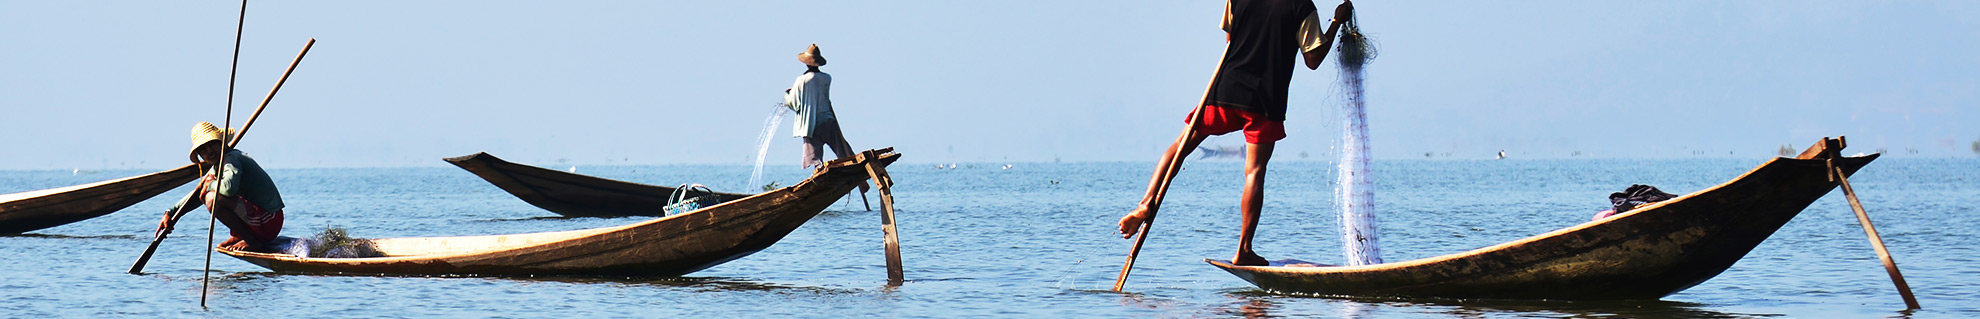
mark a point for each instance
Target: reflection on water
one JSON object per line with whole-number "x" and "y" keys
{"x": 58, "y": 236}
{"x": 1261, "y": 304}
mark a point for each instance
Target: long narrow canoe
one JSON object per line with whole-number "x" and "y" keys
{"x": 668, "y": 246}
{"x": 1646, "y": 253}
{"x": 34, "y": 210}
{"x": 571, "y": 194}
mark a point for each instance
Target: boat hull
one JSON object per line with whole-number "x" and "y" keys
{"x": 670, "y": 246}
{"x": 571, "y": 194}
{"x": 36, "y": 210}
{"x": 1647, "y": 253}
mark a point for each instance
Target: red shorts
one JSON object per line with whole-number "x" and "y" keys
{"x": 1219, "y": 120}
{"x": 263, "y": 225}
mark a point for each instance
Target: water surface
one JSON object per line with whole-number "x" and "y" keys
{"x": 1034, "y": 240}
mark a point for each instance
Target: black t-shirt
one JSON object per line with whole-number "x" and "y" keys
{"x": 1258, "y": 64}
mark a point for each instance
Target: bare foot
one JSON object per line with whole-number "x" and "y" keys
{"x": 1132, "y": 223}
{"x": 1246, "y": 258}
{"x": 233, "y": 243}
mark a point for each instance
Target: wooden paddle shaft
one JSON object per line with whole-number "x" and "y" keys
{"x": 157, "y": 238}
{"x": 885, "y": 183}
{"x": 1173, "y": 166}
{"x": 1877, "y": 242}
{"x": 271, "y": 93}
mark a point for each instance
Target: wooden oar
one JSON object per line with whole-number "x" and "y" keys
{"x": 892, "y": 240}
{"x": 1173, "y": 165}
{"x": 159, "y": 237}
{"x": 1862, "y": 217}
{"x": 271, "y": 93}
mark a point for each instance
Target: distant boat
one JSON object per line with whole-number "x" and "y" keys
{"x": 571, "y": 194}
{"x": 1226, "y": 151}
{"x": 668, "y": 246}
{"x": 35, "y": 210}
{"x": 1646, "y": 253}
{"x": 1502, "y": 154}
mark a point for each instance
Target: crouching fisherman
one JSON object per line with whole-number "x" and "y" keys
{"x": 245, "y": 199}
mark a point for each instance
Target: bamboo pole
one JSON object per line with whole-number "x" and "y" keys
{"x": 1876, "y": 242}
{"x": 220, "y": 166}
{"x": 1173, "y": 165}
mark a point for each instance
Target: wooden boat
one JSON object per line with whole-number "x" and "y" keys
{"x": 1646, "y": 253}
{"x": 34, "y": 210}
{"x": 571, "y": 194}
{"x": 668, "y": 246}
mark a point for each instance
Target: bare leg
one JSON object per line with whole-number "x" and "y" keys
{"x": 226, "y": 211}
{"x": 1184, "y": 144}
{"x": 844, "y": 150}
{"x": 1255, "y": 158}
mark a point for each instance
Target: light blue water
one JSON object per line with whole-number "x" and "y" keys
{"x": 1035, "y": 240}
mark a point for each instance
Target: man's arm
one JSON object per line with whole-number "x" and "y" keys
{"x": 1341, "y": 14}
{"x": 791, "y": 98}
{"x": 185, "y": 205}
{"x": 229, "y": 181}
{"x": 1225, "y": 22}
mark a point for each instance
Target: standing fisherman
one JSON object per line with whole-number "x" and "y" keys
{"x": 1248, "y": 94}
{"x": 245, "y": 200}
{"x": 811, "y": 98}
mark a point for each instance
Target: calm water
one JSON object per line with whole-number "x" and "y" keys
{"x": 1031, "y": 241}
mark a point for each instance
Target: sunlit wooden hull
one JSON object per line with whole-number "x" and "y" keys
{"x": 1647, "y": 253}
{"x": 668, "y": 246}
{"x": 35, "y": 210}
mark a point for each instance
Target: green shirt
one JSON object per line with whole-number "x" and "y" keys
{"x": 244, "y": 178}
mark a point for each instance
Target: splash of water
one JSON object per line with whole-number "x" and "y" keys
{"x": 763, "y": 143}
{"x": 1357, "y": 192}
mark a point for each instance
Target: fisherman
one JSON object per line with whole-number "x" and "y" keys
{"x": 1249, "y": 94}
{"x": 811, "y": 98}
{"x": 242, "y": 197}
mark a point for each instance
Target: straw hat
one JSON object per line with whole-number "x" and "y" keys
{"x": 811, "y": 56}
{"x": 204, "y": 132}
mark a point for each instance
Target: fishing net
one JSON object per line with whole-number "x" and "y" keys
{"x": 335, "y": 242}
{"x": 1355, "y": 48}
{"x": 1359, "y": 240}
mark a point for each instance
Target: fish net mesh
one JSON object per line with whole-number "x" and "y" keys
{"x": 337, "y": 242}
{"x": 1355, "y": 47}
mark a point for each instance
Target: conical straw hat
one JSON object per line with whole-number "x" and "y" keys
{"x": 205, "y": 132}
{"x": 811, "y": 56}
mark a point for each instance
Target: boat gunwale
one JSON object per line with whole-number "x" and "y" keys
{"x": 34, "y": 195}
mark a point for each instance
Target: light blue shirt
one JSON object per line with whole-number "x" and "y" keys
{"x": 811, "y": 98}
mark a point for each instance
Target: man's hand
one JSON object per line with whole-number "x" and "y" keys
{"x": 164, "y": 225}
{"x": 1344, "y": 11}
{"x": 1132, "y": 223}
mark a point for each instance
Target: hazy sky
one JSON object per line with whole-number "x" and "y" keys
{"x": 92, "y": 84}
